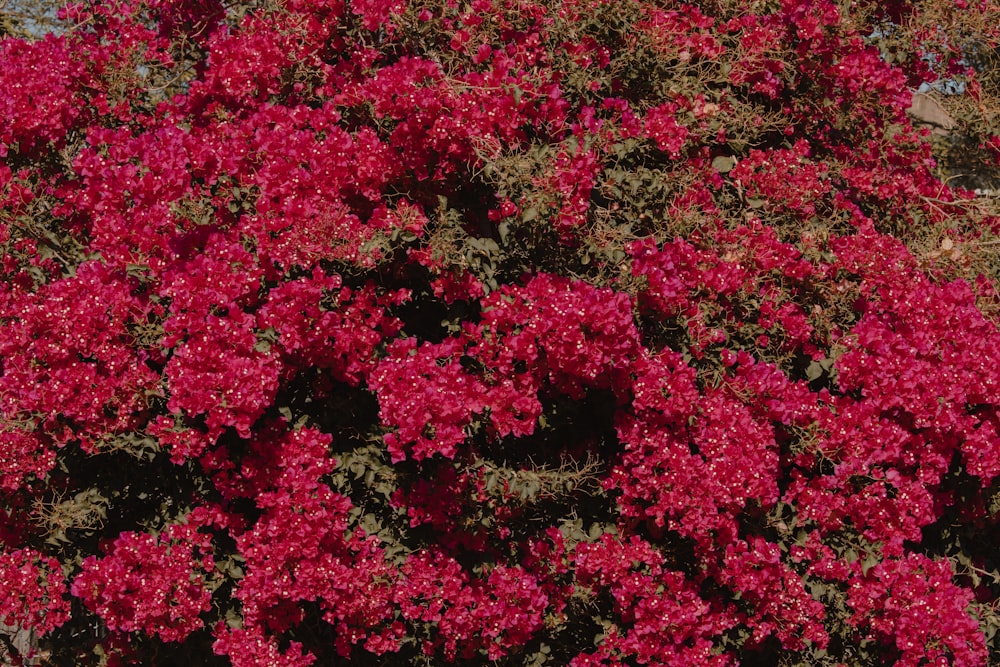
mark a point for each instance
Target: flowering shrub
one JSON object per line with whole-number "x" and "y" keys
{"x": 567, "y": 332}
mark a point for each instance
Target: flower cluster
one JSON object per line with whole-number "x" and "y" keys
{"x": 778, "y": 601}
{"x": 35, "y": 591}
{"x": 47, "y": 93}
{"x": 157, "y": 585}
{"x": 913, "y": 602}
{"x": 664, "y": 617}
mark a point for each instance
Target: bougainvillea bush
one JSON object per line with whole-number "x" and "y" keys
{"x": 567, "y": 332}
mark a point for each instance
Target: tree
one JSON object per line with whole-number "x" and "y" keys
{"x": 560, "y": 332}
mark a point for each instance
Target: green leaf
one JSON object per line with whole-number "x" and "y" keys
{"x": 814, "y": 371}
{"x": 723, "y": 164}
{"x": 136, "y": 270}
{"x": 869, "y": 562}
{"x": 233, "y": 619}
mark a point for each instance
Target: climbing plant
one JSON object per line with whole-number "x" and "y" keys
{"x": 555, "y": 332}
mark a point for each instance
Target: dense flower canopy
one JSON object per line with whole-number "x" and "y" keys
{"x": 565, "y": 332}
